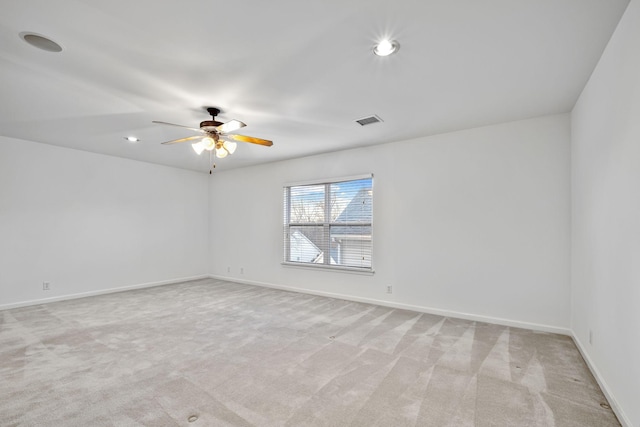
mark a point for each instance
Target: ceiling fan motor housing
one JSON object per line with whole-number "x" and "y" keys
{"x": 209, "y": 125}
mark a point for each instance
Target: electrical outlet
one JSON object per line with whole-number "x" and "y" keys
{"x": 228, "y": 269}
{"x": 389, "y": 289}
{"x": 241, "y": 270}
{"x": 46, "y": 286}
{"x": 590, "y": 337}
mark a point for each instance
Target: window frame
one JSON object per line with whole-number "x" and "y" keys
{"x": 326, "y": 224}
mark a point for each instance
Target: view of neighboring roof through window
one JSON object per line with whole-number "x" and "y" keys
{"x": 329, "y": 224}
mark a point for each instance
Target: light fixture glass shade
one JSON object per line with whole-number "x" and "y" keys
{"x": 198, "y": 147}
{"x": 208, "y": 143}
{"x": 230, "y": 146}
{"x": 221, "y": 153}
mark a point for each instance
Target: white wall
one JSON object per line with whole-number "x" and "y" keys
{"x": 474, "y": 222}
{"x": 606, "y": 217}
{"x": 89, "y": 223}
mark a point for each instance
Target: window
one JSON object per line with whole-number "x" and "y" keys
{"x": 329, "y": 224}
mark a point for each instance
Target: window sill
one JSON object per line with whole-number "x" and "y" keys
{"x": 333, "y": 268}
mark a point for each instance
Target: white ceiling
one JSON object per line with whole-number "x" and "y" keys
{"x": 297, "y": 72}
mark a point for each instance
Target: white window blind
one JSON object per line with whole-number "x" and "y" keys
{"x": 329, "y": 224}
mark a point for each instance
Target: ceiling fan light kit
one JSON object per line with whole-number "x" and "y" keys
{"x": 214, "y": 132}
{"x": 221, "y": 153}
{"x": 206, "y": 143}
{"x": 229, "y": 146}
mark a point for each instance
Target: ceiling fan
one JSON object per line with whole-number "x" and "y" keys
{"x": 215, "y": 135}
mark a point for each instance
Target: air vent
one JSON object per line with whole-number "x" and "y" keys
{"x": 368, "y": 120}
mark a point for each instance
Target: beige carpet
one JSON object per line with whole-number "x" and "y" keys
{"x": 237, "y": 355}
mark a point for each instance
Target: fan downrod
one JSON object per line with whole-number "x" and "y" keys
{"x": 213, "y": 111}
{"x": 211, "y": 123}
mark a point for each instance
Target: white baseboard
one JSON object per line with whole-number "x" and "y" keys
{"x": 100, "y": 292}
{"x": 392, "y": 304}
{"x": 622, "y": 417}
{"x": 418, "y": 308}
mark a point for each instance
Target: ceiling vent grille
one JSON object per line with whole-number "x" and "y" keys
{"x": 369, "y": 120}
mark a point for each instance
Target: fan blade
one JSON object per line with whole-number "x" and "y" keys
{"x": 180, "y": 126}
{"x": 251, "y": 139}
{"x": 189, "y": 138}
{"x": 230, "y": 126}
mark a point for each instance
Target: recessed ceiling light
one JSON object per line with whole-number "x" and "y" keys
{"x": 386, "y": 47}
{"x": 40, "y": 41}
{"x": 131, "y": 139}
